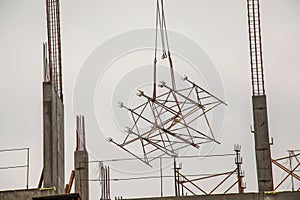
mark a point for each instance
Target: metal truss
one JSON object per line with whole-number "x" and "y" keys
{"x": 292, "y": 170}
{"x": 173, "y": 120}
{"x": 184, "y": 184}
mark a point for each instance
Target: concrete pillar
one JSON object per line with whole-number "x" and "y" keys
{"x": 53, "y": 138}
{"x": 81, "y": 161}
{"x": 262, "y": 145}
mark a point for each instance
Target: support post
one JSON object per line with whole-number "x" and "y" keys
{"x": 175, "y": 177}
{"x": 53, "y": 125}
{"x": 81, "y": 160}
{"x": 262, "y": 145}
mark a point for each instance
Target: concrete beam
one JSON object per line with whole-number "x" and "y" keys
{"x": 25, "y": 194}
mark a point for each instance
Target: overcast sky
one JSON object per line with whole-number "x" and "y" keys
{"x": 219, "y": 27}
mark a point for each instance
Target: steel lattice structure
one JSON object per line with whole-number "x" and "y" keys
{"x": 178, "y": 119}
{"x": 290, "y": 165}
{"x": 171, "y": 119}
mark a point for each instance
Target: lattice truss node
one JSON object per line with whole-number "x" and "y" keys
{"x": 171, "y": 121}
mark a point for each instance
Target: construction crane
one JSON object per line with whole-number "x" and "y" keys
{"x": 259, "y": 103}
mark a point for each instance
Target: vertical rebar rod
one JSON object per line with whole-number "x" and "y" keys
{"x": 178, "y": 183}
{"x": 255, "y": 44}
{"x": 101, "y": 180}
{"x": 54, "y": 45}
{"x": 182, "y": 192}
{"x": 105, "y": 183}
{"x": 161, "y": 175}
{"x": 108, "y": 183}
{"x": 291, "y": 168}
{"x": 175, "y": 179}
{"x": 27, "y": 179}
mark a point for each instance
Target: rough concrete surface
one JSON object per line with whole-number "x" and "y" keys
{"x": 81, "y": 174}
{"x": 245, "y": 196}
{"x": 25, "y": 194}
{"x": 53, "y": 125}
{"x": 262, "y": 144}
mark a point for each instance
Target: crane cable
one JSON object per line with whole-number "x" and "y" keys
{"x": 155, "y": 51}
{"x": 161, "y": 25}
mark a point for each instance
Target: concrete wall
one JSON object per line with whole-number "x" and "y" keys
{"x": 262, "y": 146}
{"x": 72, "y": 196}
{"x": 53, "y": 125}
{"x": 246, "y": 196}
{"x": 25, "y": 194}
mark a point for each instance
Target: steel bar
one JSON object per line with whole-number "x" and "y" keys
{"x": 202, "y": 89}
{"x": 13, "y": 167}
{"x": 130, "y": 152}
{"x": 188, "y": 189}
{"x": 222, "y": 181}
{"x": 161, "y": 177}
{"x": 157, "y": 145}
{"x": 291, "y": 166}
{"x": 54, "y": 47}
{"x": 211, "y": 176}
{"x": 166, "y": 131}
{"x": 255, "y": 47}
{"x": 175, "y": 177}
{"x": 182, "y": 157}
{"x": 178, "y": 121}
{"x": 27, "y": 178}
{"x": 290, "y": 173}
{"x": 191, "y": 182}
{"x": 17, "y": 149}
{"x": 287, "y": 170}
{"x": 230, "y": 187}
{"x": 282, "y": 158}
{"x": 180, "y": 110}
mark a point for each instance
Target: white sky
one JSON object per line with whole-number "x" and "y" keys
{"x": 218, "y": 26}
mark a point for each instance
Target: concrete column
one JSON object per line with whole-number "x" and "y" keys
{"x": 53, "y": 138}
{"x": 262, "y": 145}
{"x": 81, "y": 161}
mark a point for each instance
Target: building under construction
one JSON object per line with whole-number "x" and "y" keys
{"x": 164, "y": 125}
